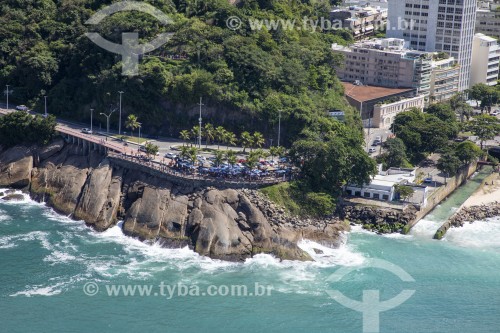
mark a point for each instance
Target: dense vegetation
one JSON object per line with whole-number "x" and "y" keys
{"x": 244, "y": 76}
{"x": 247, "y": 78}
{"x": 22, "y": 128}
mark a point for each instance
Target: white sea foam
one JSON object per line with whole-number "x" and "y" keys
{"x": 23, "y": 202}
{"x": 15, "y": 240}
{"x": 342, "y": 256}
{"x": 55, "y": 287}
{"x": 4, "y": 216}
{"x": 479, "y": 234}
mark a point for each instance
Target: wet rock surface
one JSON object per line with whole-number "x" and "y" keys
{"x": 225, "y": 224}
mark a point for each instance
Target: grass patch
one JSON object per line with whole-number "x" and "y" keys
{"x": 299, "y": 201}
{"x": 133, "y": 139}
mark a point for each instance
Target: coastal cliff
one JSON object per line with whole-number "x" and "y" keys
{"x": 220, "y": 223}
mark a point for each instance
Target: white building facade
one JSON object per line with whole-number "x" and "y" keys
{"x": 385, "y": 113}
{"x": 485, "y": 60}
{"x": 436, "y": 26}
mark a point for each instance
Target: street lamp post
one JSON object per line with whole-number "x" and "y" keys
{"x": 107, "y": 119}
{"x": 45, "y": 97}
{"x": 120, "y": 117}
{"x": 91, "y": 115}
{"x": 140, "y": 126}
{"x": 7, "y": 94}
{"x": 199, "y": 122}
{"x": 279, "y": 127}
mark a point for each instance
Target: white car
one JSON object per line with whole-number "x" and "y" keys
{"x": 86, "y": 131}
{"x": 372, "y": 150}
{"x": 170, "y": 155}
{"x": 495, "y": 112}
{"x": 22, "y": 108}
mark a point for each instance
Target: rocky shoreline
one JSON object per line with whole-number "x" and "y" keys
{"x": 379, "y": 220}
{"x": 469, "y": 214}
{"x": 225, "y": 224}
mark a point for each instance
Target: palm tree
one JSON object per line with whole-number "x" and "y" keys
{"x": 192, "y": 152}
{"x": 231, "y": 157}
{"x": 258, "y": 139}
{"x": 132, "y": 123}
{"x": 273, "y": 151}
{"x": 230, "y": 139}
{"x": 220, "y": 134}
{"x": 209, "y": 131}
{"x": 185, "y": 135}
{"x": 219, "y": 157}
{"x": 184, "y": 152}
{"x": 252, "y": 159}
{"x": 246, "y": 140}
{"x": 195, "y": 132}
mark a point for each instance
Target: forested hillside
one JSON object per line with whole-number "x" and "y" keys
{"x": 245, "y": 76}
{"x": 242, "y": 75}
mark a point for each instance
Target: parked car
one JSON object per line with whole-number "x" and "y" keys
{"x": 142, "y": 148}
{"x": 372, "y": 150}
{"x": 376, "y": 143}
{"x": 428, "y": 180}
{"x": 495, "y": 112}
{"x": 170, "y": 155}
{"x": 22, "y": 108}
{"x": 86, "y": 131}
{"x": 378, "y": 138}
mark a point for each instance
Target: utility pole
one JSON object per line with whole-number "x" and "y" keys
{"x": 107, "y": 119}
{"x": 45, "y": 97}
{"x": 279, "y": 127}
{"x": 140, "y": 126}
{"x": 199, "y": 122}
{"x": 7, "y": 94}
{"x": 120, "y": 117}
{"x": 91, "y": 114}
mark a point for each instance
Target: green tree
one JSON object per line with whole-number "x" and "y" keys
{"x": 209, "y": 132}
{"x": 395, "y": 155}
{"x": 449, "y": 164}
{"x": 231, "y": 157}
{"x": 405, "y": 192}
{"x": 246, "y": 140}
{"x": 192, "y": 155}
{"x": 219, "y": 158}
{"x": 22, "y": 128}
{"x": 467, "y": 152}
{"x": 185, "y": 135}
{"x": 220, "y": 134}
{"x": 151, "y": 149}
{"x": 258, "y": 139}
{"x": 273, "y": 150}
{"x": 485, "y": 127}
{"x": 184, "y": 152}
{"x": 195, "y": 133}
{"x": 252, "y": 159}
{"x": 229, "y": 139}
{"x": 132, "y": 123}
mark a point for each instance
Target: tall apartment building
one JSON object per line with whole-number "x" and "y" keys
{"x": 485, "y": 60}
{"x": 444, "y": 79}
{"x": 386, "y": 63}
{"x": 363, "y": 21}
{"x": 436, "y": 26}
{"x": 488, "y": 20}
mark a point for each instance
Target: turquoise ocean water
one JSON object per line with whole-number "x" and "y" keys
{"x": 47, "y": 261}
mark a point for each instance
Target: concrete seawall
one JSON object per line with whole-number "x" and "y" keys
{"x": 442, "y": 193}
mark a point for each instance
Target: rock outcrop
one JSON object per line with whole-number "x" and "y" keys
{"x": 380, "y": 220}
{"x": 225, "y": 224}
{"x": 469, "y": 214}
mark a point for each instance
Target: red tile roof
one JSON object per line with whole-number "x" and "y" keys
{"x": 368, "y": 93}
